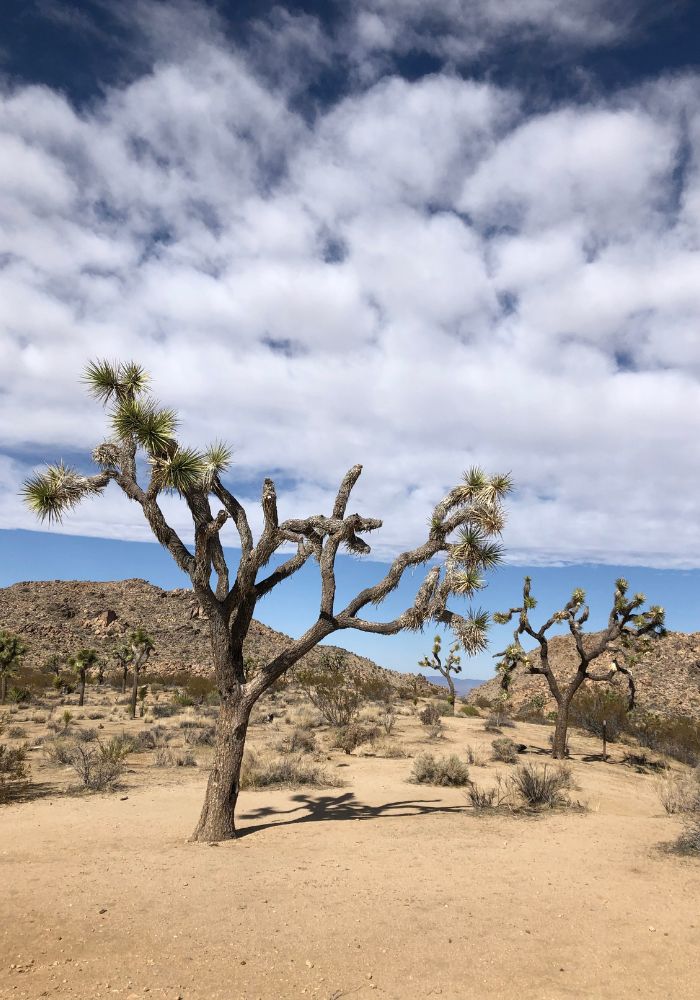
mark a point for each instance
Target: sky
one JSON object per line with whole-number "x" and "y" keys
{"x": 412, "y": 234}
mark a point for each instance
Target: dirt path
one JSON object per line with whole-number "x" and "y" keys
{"x": 380, "y": 889}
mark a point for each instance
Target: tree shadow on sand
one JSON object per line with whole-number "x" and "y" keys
{"x": 322, "y": 808}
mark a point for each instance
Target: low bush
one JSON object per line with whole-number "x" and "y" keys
{"x": 86, "y": 735}
{"x": 446, "y": 771}
{"x": 482, "y": 799}
{"x": 57, "y": 751}
{"x": 335, "y": 691}
{"x": 481, "y": 701}
{"x": 305, "y": 718}
{"x": 95, "y": 715}
{"x": 390, "y": 751}
{"x": 298, "y": 741}
{"x": 350, "y": 737}
{"x": 642, "y": 762}
{"x": 677, "y": 737}
{"x": 430, "y": 715}
{"x": 200, "y": 736}
{"x": 505, "y": 750}
{"x": 100, "y": 767}
{"x": 16, "y": 732}
{"x": 288, "y": 771}
{"x": 471, "y": 711}
{"x": 475, "y": 756}
{"x": 679, "y": 793}
{"x": 688, "y": 841}
{"x": 592, "y": 705}
{"x": 163, "y": 710}
{"x": 151, "y": 739}
{"x": 14, "y": 771}
{"x": 167, "y": 757}
{"x": 541, "y": 786}
{"x": 19, "y": 695}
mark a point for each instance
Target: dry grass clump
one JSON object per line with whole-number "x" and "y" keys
{"x": 290, "y": 771}
{"x": 200, "y": 736}
{"x": 305, "y": 718}
{"x": 530, "y": 787}
{"x": 390, "y": 751}
{"x": 505, "y": 750}
{"x": 680, "y": 793}
{"x": 16, "y": 732}
{"x": 475, "y": 756}
{"x": 100, "y": 767}
{"x": 152, "y": 739}
{"x": 298, "y": 741}
{"x": 643, "y": 762}
{"x": 166, "y": 757}
{"x": 350, "y": 737}
{"x": 14, "y": 771}
{"x": 446, "y": 771}
{"x": 688, "y": 841}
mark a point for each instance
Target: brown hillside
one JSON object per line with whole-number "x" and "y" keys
{"x": 60, "y": 616}
{"x": 667, "y": 678}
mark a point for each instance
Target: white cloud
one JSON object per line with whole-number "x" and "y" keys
{"x": 420, "y": 278}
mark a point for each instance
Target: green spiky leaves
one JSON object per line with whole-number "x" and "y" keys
{"x": 182, "y": 472}
{"x": 151, "y": 426}
{"x": 217, "y": 459}
{"x": 475, "y": 549}
{"x": 477, "y": 487}
{"x": 52, "y": 493}
{"x": 119, "y": 381}
{"x": 472, "y": 631}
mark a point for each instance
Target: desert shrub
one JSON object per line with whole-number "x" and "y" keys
{"x": 56, "y": 751}
{"x": 14, "y": 771}
{"x": 200, "y": 736}
{"x": 298, "y": 741}
{"x": 167, "y": 757}
{"x": 642, "y": 762}
{"x": 592, "y": 705}
{"x": 481, "y": 701}
{"x": 18, "y": 695}
{"x": 471, "y": 711}
{"x": 332, "y": 688}
{"x": 201, "y": 689}
{"x": 482, "y": 799}
{"x": 430, "y": 770}
{"x": 541, "y": 786}
{"x": 678, "y": 736}
{"x": 679, "y": 793}
{"x": 688, "y": 841}
{"x": 475, "y": 756}
{"x": 162, "y": 710}
{"x": 182, "y": 700}
{"x": 95, "y": 715}
{"x": 305, "y": 718}
{"x": 349, "y": 737}
{"x": 288, "y": 771}
{"x": 39, "y": 719}
{"x": 387, "y": 718}
{"x": 390, "y": 751}
{"x": 99, "y": 767}
{"x": 86, "y": 735}
{"x": 151, "y": 739}
{"x": 504, "y": 749}
{"x": 430, "y": 715}
{"x": 15, "y": 732}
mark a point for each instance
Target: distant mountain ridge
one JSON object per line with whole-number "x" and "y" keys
{"x": 61, "y": 616}
{"x": 463, "y": 685}
{"x": 667, "y": 678}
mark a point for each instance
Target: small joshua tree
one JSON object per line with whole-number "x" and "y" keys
{"x": 451, "y": 665}
{"x": 123, "y": 654}
{"x": 52, "y": 664}
{"x": 627, "y": 629}
{"x": 81, "y": 664}
{"x": 12, "y": 649}
{"x": 142, "y": 646}
{"x": 472, "y": 510}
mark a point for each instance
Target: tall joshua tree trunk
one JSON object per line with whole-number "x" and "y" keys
{"x": 3, "y": 688}
{"x": 134, "y": 690}
{"x": 125, "y": 671}
{"x": 216, "y": 821}
{"x": 81, "y": 697}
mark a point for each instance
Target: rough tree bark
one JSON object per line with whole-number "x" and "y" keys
{"x": 472, "y": 508}
{"x": 627, "y": 630}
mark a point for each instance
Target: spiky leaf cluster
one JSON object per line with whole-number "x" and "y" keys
{"x": 52, "y": 493}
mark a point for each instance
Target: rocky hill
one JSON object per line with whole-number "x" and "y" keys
{"x": 62, "y": 616}
{"x": 667, "y": 677}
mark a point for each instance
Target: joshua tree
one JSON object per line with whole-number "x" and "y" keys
{"x": 81, "y": 664}
{"x": 12, "y": 649}
{"x": 53, "y": 663}
{"x": 628, "y": 626}
{"x": 452, "y": 665}
{"x": 141, "y": 645}
{"x": 138, "y": 423}
{"x": 122, "y": 654}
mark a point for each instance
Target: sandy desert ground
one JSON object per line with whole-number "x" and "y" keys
{"x": 378, "y": 889}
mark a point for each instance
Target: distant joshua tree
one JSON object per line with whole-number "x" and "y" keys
{"x": 12, "y": 649}
{"x": 81, "y": 664}
{"x": 123, "y": 654}
{"x": 627, "y": 630}
{"x": 451, "y": 665}
{"x": 53, "y": 663}
{"x": 141, "y": 645}
{"x": 139, "y": 423}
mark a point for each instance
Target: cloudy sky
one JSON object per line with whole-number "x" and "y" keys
{"x": 415, "y": 234}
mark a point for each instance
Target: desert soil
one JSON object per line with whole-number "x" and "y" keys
{"x": 379, "y": 889}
